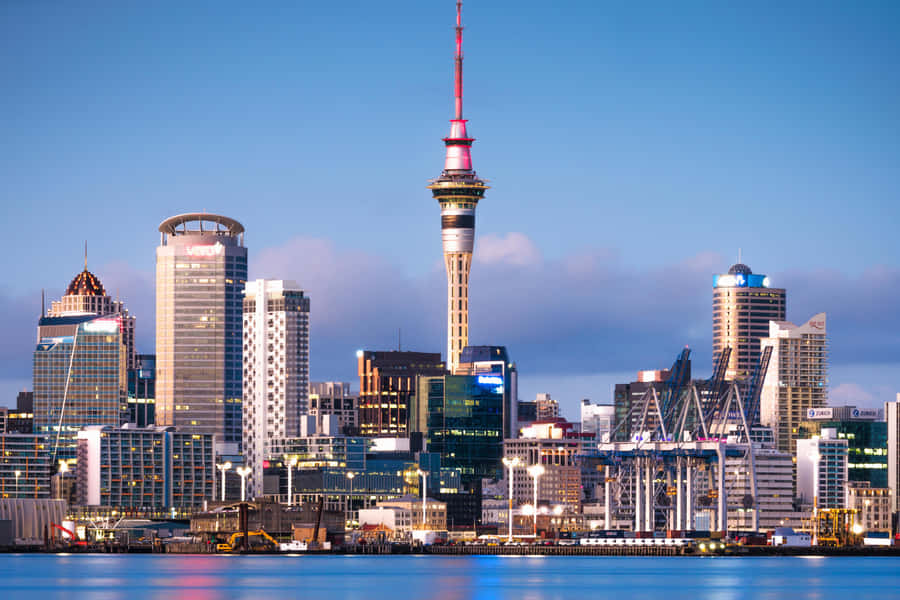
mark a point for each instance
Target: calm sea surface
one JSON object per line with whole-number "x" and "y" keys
{"x": 90, "y": 577}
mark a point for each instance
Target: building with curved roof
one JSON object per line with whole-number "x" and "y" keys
{"x": 743, "y": 305}
{"x": 201, "y": 270}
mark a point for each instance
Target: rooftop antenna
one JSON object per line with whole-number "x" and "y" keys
{"x": 399, "y": 339}
{"x": 740, "y": 258}
{"x": 85, "y": 255}
{"x": 43, "y": 306}
{"x": 459, "y": 61}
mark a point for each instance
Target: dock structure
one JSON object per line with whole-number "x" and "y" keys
{"x": 673, "y": 466}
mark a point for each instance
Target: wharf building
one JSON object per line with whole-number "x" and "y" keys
{"x": 774, "y": 485}
{"x": 201, "y": 269}
{"x": 743, "y": 305}
{"x": 892, "y": 416}
{"x": 387, "y": 388}
{"x": 797, "y": 378}
{"x": 86, "y": 296}
{"x": 402, "y": 515}
{"x": 276, "y": 368}
{"x": 79, "y": 378}
{"x": 348, "y": 473}
{"x": 822, "y": 470}
{"x": 873, "y": 506}
{"x": 25, "y": 465}
{"x": 143, "y": 468}
{"x": 458, "y": 190}
{"x": 866, "y": 434}
{"x": 140, "y": 404}
{"x": 335, "y": 398}
{"x": 560, "y": 484}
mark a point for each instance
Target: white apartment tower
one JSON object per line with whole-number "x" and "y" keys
{"x": 797, "y": 378}
{"x": 276, "y": 368}
{"x": 892, "y": 416}
{"x": 822, "y": 470}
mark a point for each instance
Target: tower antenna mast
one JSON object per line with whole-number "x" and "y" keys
{"x": 459, "y": 63}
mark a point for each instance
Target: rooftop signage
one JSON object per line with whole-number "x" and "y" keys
{"x": 741, "y": 280}
{"x": 206, "y": 250}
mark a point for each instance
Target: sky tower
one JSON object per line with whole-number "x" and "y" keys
{"x": 458, "y": 191}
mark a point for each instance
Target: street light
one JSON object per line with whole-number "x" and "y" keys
{"x": 350, "y": 476}
{"x": 511, "y": 463}
{"x": 536, "y": 471}
{"x": 224, "y": 467}
{"x": 18, "y": 474}
{"x": 244, "y": 472}
{"x": 290, "y": 463}
{"x": 423, "y": 475}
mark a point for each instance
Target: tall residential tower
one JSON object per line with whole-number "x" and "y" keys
{"x": 276, "y": 368}
{"x": 458, "y": 191}
{"x": 743, "y": 305}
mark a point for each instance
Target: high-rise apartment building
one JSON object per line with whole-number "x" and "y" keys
{"x": 797, "y": 378}
{"x": 135, "y": 467}
{"x": 387, "y": 385}
{"x": 201, "y": 269}
{"x": 79, "y": 377}
{"x": 276, "y": 368}
{"x": 743, "y": 305}
{"x": 822, "y": 470}
{"x": 24, "y": 466}
{"x": 335, "y": 398}
{"x": 458, "y": 190}
{"x": 599, "y": 419}
{"x": 86, "y": 296}
{"x": 892, "y": 416}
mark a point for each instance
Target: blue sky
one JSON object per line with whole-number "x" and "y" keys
{"x": 632, "y": 148}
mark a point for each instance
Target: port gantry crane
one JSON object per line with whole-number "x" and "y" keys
{"x": 681, "y": 431}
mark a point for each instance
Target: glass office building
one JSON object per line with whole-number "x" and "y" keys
{"x": 201, "y": 269}
{"x": 465, "y": 423}
{"x": 79, "y": 378}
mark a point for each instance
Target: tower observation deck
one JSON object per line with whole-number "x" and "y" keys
{"x": 458, "y": 190}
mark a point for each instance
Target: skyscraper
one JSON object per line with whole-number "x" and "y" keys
{"x": 743, "y": 305}
{"x": 276, "y": 368}
{"x": 79, "y": 378}
{"x": 458, "y": 191}
{"x": 86, "y": 296}
{"x": 797, "y": 378}
{"x": 201, "y": 269}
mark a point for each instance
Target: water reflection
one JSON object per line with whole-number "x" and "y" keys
{"x": 135, "y": 577}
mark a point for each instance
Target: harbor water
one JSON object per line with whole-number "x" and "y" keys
{"x": 202, "y": 577}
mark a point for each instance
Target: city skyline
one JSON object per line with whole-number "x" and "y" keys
{"x": 609, "y": 303}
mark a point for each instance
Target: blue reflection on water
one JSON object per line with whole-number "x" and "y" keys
{"x": 196, "y": 577}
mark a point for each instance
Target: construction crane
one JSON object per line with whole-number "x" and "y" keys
{"x": 233, "y": 541}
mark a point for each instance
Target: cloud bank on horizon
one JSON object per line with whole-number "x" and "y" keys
{"x": 581, "y": 314}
